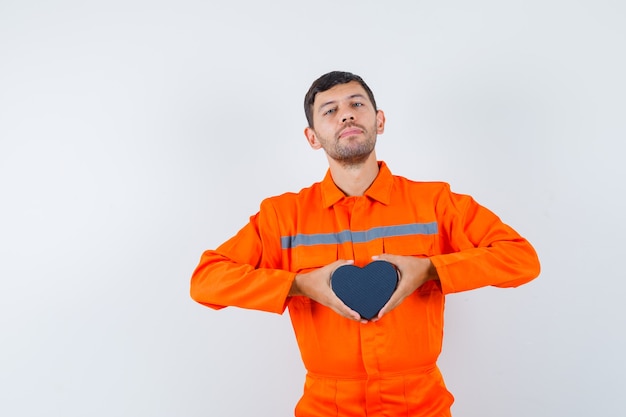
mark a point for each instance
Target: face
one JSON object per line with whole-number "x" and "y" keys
{"x": 345, "y": 124}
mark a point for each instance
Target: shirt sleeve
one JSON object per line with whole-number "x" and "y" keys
{"x": 479, "y": 249}
{"x": 245, "y": 271}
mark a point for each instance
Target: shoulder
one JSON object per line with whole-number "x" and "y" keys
{"x": 423, "y": 187}
{"x": 292, "y": 199}
{"x": 436, "y": 193}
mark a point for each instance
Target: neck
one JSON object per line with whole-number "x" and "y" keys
{"x": 355, "y": 179}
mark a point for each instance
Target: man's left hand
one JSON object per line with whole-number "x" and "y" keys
{"x": 413, "y": 273}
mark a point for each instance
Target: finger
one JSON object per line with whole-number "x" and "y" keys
{"x": 386, "y": 309}
{"x": 345, "y": 311}
{"x": 338, "y": 305}
{"x": 396, "y": 299}
{"x": 395, "y": 260}
{"x": 391, "y": 304}
{"x": 385, "y": 257}
{"x": 341, "y": 262}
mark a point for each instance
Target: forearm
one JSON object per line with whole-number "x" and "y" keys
{"x": 478, "y": 249}
{"x": 503, "y": 264}
{"x": 219, "y": 282}
{"x": 295, "y": 289}
{"x": 432, "y": 274}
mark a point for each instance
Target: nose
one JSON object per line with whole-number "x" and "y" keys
{"x": 347, "y": 113}
{"x": 347, "y": 117}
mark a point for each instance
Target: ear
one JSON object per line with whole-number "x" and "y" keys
{"x": 380, "y": 122}
{"x": 311, "y": 137}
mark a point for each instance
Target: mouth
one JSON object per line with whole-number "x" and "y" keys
{"x": 351, "y": 131}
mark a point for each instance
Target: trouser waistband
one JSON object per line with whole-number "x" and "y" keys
{"x": 382, "y": 375}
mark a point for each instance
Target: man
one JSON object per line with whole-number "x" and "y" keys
{"x": 440, "y": 242}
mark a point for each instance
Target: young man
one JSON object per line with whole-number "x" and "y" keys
{"x": 440, "y": 242}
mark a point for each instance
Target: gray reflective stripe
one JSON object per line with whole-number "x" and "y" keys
{"x": 289, "y": 242}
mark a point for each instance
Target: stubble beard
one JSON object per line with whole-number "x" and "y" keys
{"x": 349, "y": 152}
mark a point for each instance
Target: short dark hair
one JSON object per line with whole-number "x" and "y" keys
{"x": 328, "y": 81}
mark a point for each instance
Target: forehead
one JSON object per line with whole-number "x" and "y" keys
{"x": 340, "y": 92}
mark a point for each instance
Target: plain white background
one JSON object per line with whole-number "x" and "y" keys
{"x": 135, "y": 134}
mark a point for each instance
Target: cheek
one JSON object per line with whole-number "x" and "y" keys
{"x": 323, "y": 137}
{"x": 326, "y": 133}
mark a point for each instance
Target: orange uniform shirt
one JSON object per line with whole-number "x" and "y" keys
{"x": 383, "y": 368}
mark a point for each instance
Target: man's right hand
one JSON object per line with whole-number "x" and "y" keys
{"x": 316, "y": 286}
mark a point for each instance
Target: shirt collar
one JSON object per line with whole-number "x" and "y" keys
{"x": 380, "y": 190}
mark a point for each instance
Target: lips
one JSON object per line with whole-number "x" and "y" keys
{"x": 351, "y": 131}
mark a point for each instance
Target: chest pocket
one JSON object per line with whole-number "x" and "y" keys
{"x": 411, "y": 245}
{"x": 415, "y": 245}
{"x": 308, "y": 258}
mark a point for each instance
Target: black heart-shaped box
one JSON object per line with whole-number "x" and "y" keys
{"x": 365, "y": 290}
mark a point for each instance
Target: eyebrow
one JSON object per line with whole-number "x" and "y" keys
{"x": 353, "y": 96}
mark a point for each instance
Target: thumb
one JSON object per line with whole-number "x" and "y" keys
{"x": 387, "y": 257}
{"x": 341, "y": 262}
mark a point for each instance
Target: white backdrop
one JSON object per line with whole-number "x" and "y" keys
{"x": 135, "y": 134}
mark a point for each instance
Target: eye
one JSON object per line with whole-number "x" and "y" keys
{"x": 330, "y": 111}
{"x": 357, "y": 104}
